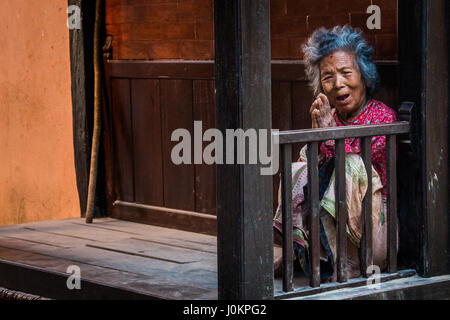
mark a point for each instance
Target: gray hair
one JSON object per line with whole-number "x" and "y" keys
{"x": 324, "y": 42}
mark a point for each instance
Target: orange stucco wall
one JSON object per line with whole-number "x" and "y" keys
{"x": 37, "y": 173}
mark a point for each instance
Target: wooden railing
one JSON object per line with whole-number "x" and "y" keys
{"x": 313, "y": 137}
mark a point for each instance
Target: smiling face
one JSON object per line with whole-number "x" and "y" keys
{"x": 342, "y": 83}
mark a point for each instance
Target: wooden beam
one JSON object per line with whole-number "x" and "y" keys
{"x": 423, "y": 79}
{"x": 165, "y": 217}
{"x": 322, "y": 134}
{"x": 244, "y": 197}
{"x": 282, "y": 70}
{"x": 360, "y": 282}
{"x": 409, "y": 288}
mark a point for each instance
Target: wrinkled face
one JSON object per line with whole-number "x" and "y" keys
{"x": 342, "y": 83}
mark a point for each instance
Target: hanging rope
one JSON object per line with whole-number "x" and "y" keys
{"x": 97, "y": 120}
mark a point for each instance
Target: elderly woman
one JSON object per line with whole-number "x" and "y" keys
{"x": 343, "y": 77}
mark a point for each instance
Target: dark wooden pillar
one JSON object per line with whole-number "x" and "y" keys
{"x": 423, "y": 174}
{"x": 436, "y": 153}
{"x": 82, "y": 77}
{"x": 244, "y": 196}
{"x": 447, "y": 23}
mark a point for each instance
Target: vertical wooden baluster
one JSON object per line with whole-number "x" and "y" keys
{"x": 286, "y": 209}
{"x": 341, "y": 212}
{"x": 391, "y": 176}
{"x": 313, "y": 205}
{"x": 366, "y": 242}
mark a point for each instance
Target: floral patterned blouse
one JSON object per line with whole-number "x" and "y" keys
{"x": 374, "y": 112}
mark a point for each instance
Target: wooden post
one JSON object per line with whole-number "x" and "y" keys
{"x": 366, "y": 214}
{"x": 286, "y": 209}
{"x": 314, "y": 215}
{"x": 82, "y": 75}
{"x": 423, "y": 174}
{"x": 341, "y": 212}
{"x": 391, "y": 186}
{"x": 244, "y": 196}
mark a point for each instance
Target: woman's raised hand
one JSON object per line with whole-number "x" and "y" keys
{"x": 321, "y": 113}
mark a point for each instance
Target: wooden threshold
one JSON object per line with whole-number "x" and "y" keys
{"x": 166, "y": 217}
{"x": 360, "y": 282}
{"x": 410, "y": 288}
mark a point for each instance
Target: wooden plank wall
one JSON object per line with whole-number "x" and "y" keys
{"x": 150, "y": 99}
{"x": 145, "y": 112}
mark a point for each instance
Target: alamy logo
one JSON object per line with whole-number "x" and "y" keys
{"x": 374, "y": 21}
{"x": 236, "y": 142}
{"x": 74, "y": 280}
{"x": 373, "y": 282}
{"x": 74, "y": 20}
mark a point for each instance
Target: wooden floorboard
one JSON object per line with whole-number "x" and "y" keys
{"x": 154, "y": 261}
{"x": 157, "y": 261}
{"x": 117, "y": 259}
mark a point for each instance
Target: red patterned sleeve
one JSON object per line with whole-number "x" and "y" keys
{"x": 385, "y": 115}
{"x": 379, "y": 113}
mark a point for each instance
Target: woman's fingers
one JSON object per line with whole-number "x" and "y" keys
{"x": 314, "y": 106}
{"x": 321, "y": 112}
{"x": 319, "y": 107}
{"x": 315, "y": 118}
{"x": 319, "y": 103}
{"x": 324, "y": 100}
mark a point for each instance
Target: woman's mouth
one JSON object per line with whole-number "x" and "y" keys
{"x": 343, "y": 98}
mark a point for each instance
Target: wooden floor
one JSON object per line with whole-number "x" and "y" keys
{"x": 148, "y": 260}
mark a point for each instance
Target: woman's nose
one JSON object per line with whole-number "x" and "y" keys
{"x": 339, "y": 82}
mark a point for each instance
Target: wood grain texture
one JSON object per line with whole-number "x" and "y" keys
{"x": 408, "y": 288}
{"x": 116, "y": 258}
{"x": 321, "y": 134}
{"x": 305, "y": 292}
{"x": 366, "y": 214}
{"x": 148, "y": 160}
{"x": 281, "y": 120}
{"x": 205, "y": 175}
{"x": 286, "y": 209}
{"x": 243, "y": 99}
{"x": 107, "y": 145}
{"x": 436, "y": 102}
{"x": 123, "y": 137}
{"x": 176, "y": 112}
{"x": 341, "y": 212}
{"x": 392, "y": 217}
{"x": 313, "y": 205}
{"x": 166, "y": 217}
{"x": 302, "y": 99}
{"x": 423, "y": 56}
{"x": 82, "y": 89}
{"x": 410, "y": 162}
